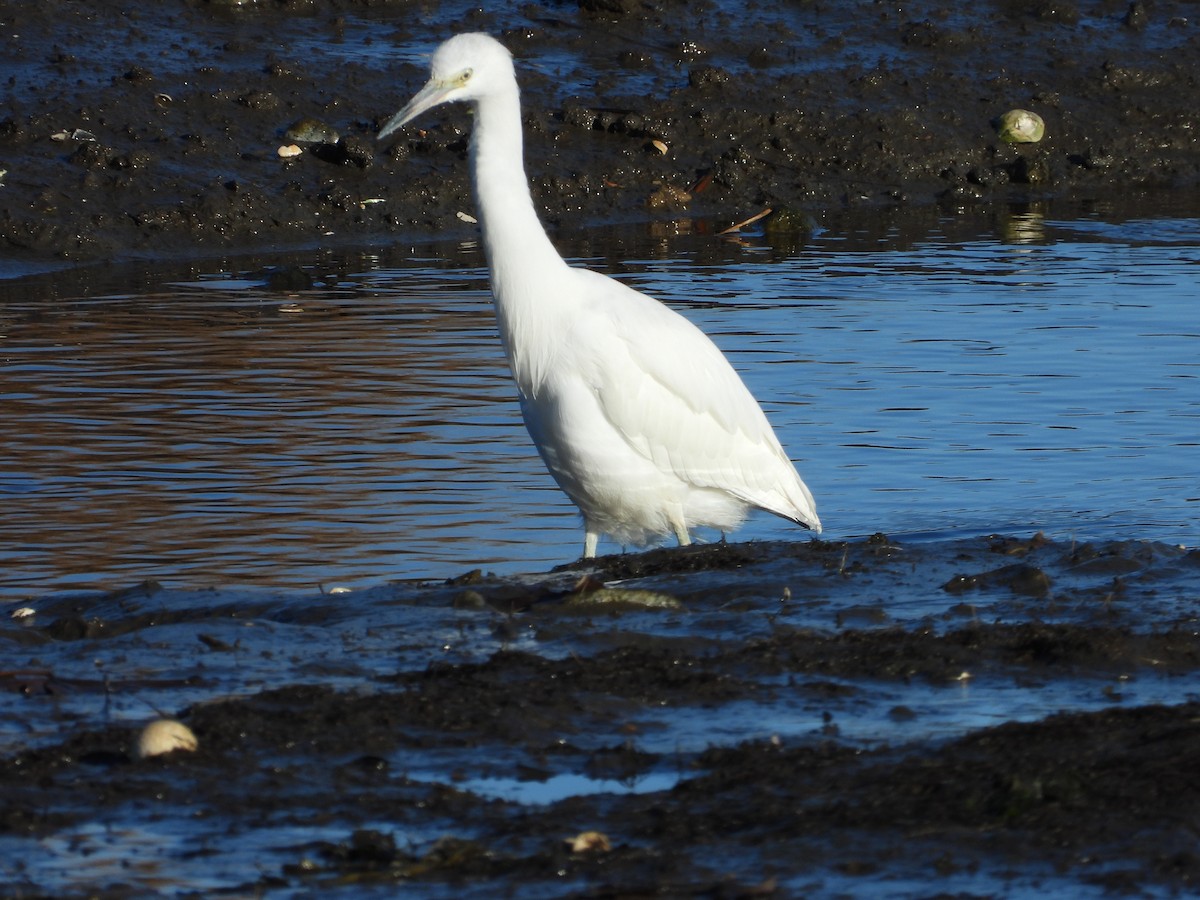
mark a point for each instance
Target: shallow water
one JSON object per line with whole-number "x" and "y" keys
{"x": 973, "y": 376}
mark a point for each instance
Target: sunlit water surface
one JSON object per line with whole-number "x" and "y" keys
{"x": 201, "y": 429}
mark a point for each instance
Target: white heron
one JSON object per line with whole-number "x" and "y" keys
{"x": 638, "y": 416}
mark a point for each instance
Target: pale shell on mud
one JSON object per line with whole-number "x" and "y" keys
{"x": 164, "y": 736}
{"x": 1020, "y": 126}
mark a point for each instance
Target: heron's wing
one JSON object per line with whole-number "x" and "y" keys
{"x": 672, "y": 394}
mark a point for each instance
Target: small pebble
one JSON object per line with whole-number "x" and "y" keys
{"x": 667, "y": 197}
{"x": 311, "y": 131}
{"x": 287, "y": 151}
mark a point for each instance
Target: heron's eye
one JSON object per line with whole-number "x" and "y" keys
{"x": 465, "y": 76}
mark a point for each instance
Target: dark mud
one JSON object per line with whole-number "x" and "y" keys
{"x": 356, "y": 771}
{"x": 153, "y": 128}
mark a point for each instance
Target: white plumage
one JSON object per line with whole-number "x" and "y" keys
{"x": 638, "y": 416}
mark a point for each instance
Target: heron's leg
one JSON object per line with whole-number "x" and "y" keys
{"x": 681, "y": 534}
{"x": 590, "y": 540}
{"x": 678, "y": 523}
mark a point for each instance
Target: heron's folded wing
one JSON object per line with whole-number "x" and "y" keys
{"x": 676, "y": 399}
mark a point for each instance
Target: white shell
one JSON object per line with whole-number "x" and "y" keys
{"x": 1020, "y": 126}
{"x": 589, "y": 842}
{"x": 164, "y": 736}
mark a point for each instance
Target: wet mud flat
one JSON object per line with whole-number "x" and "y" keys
{"x": 153, "y": 129}
{"x": 795, "y": 719}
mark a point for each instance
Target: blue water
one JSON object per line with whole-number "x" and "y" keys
{"x": 1018, "y": 375}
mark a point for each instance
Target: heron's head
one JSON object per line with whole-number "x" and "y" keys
{"x": 465, "y": 69}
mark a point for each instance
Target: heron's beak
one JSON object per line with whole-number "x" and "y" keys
{"x": 434, "y": 93}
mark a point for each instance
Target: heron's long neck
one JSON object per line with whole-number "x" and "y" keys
{"x": 521, "y": 260}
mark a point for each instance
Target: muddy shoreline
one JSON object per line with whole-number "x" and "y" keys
{"x": 347, "y": 772}
{"x": 154, "y": 129}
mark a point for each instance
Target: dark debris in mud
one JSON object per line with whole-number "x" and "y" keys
{"x": 393, "y": 769}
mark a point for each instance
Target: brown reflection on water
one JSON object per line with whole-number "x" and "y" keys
{"x": 145, "y": 437}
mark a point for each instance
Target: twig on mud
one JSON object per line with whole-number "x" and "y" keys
{"x": 750, "y": 221}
